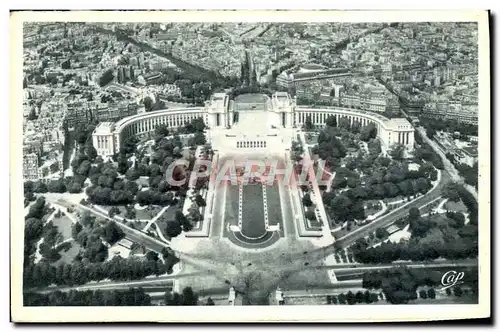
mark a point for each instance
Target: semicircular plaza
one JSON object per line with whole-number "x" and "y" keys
{"x": 108, "y": 137}
{"x": 251, "y": 124}
{"x": 266, "y": 241}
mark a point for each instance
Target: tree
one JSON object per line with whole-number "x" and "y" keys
{"x": 198, "y": 139}
{"x": 339, "y": 182}
{"x": 368, "y": 132}
{"x": 397, "y": 151}
{"x": 198, "y": 125}
{"x": 90, "y": 151}
{"x": 431, "y": 293}
{"x": 308, "y": 125}
{"x": 152, "y": 256}
{"x": 457, "y": 291}
{"x": 112, "y": 233}
{"x": 54, "y": 167}
{"x": 39, "y": 187}
{"x": 113, "y": 211}
{"x": 33, "y": 229}
{"x": 451, "y": 192}
{"x": 381, "y": 233}
{"x": 430, "y": 132}
{"x": 106, "y": 77}
{"x": 310, "y": 215}
{"x": 189, "y": 297}
{"x": 148, "y": 104}
{"x": 74, "y": 187}
{"x": 130, "y": 297}
{"x": 360, "y": 297}
{"x": 200, "y": 201}
{"x": 172, "y": 298}
{"x": 373, "y": 297}
{"x": 343, "y": 208}
{"x": 28, "y": 186}
{"x": 95, "y": 250}
{"x": 210, "y": 301}
{"x": 422, "y": 185}
{"x": 351, "y": 298}
{"x": 306, "y": 200}
{"x": 29, "y": 196}
{"x": 331, "y": 121}
{"x": 37, "y": 210}
{"x": 162, "y": 131}
{"x": 433, "y": 175}
{"x": 32, "y": 115}
{"x": 76, "y": 229}
{"x": 344, "y": 123}
{"x": 414, "y": 214}
{"x": 56, "y": 186}
{"x": 420, "y": 227}
{"x": 173, "y": 228}
{"x": 130, "y": 212}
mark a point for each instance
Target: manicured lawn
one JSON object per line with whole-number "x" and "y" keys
{"x": 170, "y": 212}
{"x": 231, "y": 213}
{"x": 274, "y": 205}
{"x": 147, "y": 213}
{"x": 143, "y": 214}
{"x": 250, "y": 102}
{"x": 139, "y": 225}
{"x": 251, "y": 98}
{"x": 455, "y": 206}
{"x": 253, "y": 224}
{"x": 63, "y": 224}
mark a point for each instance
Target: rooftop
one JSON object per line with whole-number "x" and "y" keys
{"x": 471, "y": 151}
{"x": 151, "y": 75}
{"x": 399, "y": 123}
{"x": 251, "y": 98}
{"x": 281, "y": 94}
{"x": 104, "y": 128}
{"x": 218, "y": 96}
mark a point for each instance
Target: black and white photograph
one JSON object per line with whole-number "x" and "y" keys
{"x": 292, "y": 163}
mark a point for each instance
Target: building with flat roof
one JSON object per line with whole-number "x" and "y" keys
{"x": 102, "y": 139}
{"x": 250, "y": 122}
{"x": 398, "y": 131}
{"x": 150, "y": 78}
{"x": 451, "y": 111}
{"x": 30, "y": 167}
